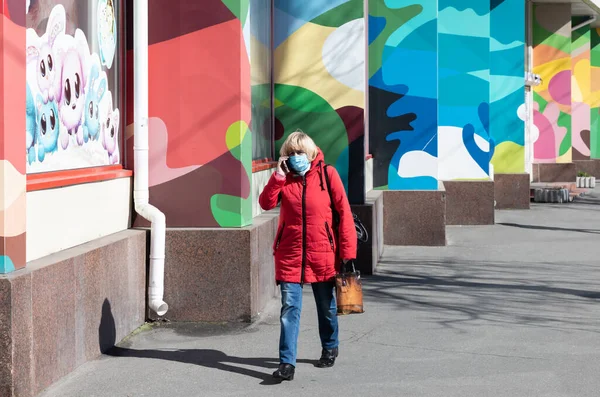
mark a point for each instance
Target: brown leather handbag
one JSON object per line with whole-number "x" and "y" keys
{"x": 348, "y": 290}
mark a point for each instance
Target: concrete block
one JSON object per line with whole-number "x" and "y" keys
{"x": 469, "y": 202}
{"x": 414, "y": 217}
{"x": 6, "y": 345}
{"x": 511, "y": 191}
{"x": 55, "y": 308}
{"x": 220, "y": 274}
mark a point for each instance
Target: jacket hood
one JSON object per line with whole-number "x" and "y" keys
{"x": 320, "y": 157}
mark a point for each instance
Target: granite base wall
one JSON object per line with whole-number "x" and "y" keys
{"x": 220, "y": 274}
{"x": 511, "y": 191}
{"x": 554, "y": 172}
{"x": 469, "y": 202}
{"x": 414, "y": 217}
{"x": 67, "y": 308}
{"x": 592, "y": 167}
{"x": 371, "y": 216}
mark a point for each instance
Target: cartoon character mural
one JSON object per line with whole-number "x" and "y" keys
{"x": 41, "y": 51}
{"x": 47, "y": 127}
{"x": 110, "y": 133}
{"x": 67, "y": 96}
{"x": 107, "y": 31}
{"x": 30, "y": 126}
{"x": 94, "y": 94}
{"x": 73, "y": 82}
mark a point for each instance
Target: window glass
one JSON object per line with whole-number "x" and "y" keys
{"x": 261, "y": 71}
{"x": 73, "y": 84}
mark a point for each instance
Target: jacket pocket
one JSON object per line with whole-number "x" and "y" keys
{"x": 279, "y": 235}
{"x": 329, "y": 235}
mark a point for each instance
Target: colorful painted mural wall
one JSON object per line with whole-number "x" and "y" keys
{"x": 319, "y": 76}
{"x": 456, "y": 105}
{"x": 200, "y": 143}
{"x": 464, "y": 144}
{"x": 12, "y": 135}
{"x": 595, "y": 93}
{"x": 403, "y": 94}
{"x": 73, "y": 85}
{"x": 507, "y": 88}
{"x": 580, "y": 90}
{"x": 552, "y": 61}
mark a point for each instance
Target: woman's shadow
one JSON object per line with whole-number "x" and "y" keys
{"x": 204, "y": 357}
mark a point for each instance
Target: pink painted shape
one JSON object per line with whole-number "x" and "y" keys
{"x": 552, "y": 112}
{"x": 560, "y": 87}
{"x": 159, "y": 171}
{"x": 580, "y": 122}
{"x": 544, "y": 148}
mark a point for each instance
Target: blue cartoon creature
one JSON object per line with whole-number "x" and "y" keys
{"x": 95, "y": 93}
{"x": 30, "y": 126}
{"x": 48, "y": 127}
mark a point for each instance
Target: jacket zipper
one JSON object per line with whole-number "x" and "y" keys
{"x": 303, "y": 230}
{"x": 329, "y": 235}
{"x": 280, "y": 235}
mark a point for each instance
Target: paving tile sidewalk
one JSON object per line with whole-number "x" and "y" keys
{"x": 506, "y": 310}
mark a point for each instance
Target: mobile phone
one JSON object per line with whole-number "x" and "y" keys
{"x": 287, "y": 165}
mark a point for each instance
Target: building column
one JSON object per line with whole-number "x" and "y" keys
{"x": 464, "y": 145}
{"x": 595, "y": 94}
{"x": 12, "y": 138}
{"x": 403, "y": 94}
{"x": 319, "y": 76}
{"x": 580, "y": 89}
{"x": 507, "y": 59}
{"x": 552, "y": 61}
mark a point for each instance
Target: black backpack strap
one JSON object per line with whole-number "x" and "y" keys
{"x": 336, "y": 215}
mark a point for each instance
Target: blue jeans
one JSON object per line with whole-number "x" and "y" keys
{"x": 291, "y": 306}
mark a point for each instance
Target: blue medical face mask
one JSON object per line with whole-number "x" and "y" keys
{"x": 299, "y": 163}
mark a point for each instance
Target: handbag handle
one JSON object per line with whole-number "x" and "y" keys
{"x": 344, "y": 269}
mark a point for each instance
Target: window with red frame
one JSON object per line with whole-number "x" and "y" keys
{"x": 261, "y": 66}
{"x": 74, "y": 85}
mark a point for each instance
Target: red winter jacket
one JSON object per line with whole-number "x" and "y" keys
{"x": 305, "y": 244}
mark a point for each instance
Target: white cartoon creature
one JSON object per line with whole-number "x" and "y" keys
{"x": 110, "y": 132}
{"x": 42, "y": 51}
{"x": 74, "y": 53}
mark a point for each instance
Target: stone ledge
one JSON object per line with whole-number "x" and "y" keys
{"x": 220, "y": 274}
{"x": 469, "y": 202}
{"x": 67, "y": 308}
{"x": 414, "y": 217}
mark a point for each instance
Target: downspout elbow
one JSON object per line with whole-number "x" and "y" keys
{"x": 158, "y": 230}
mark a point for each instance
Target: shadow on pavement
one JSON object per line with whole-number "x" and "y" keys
{"x": 204, "y": 357}
{"x": 456, "y": 293}
{"x": 210, "y": 359}
{"x": 536, "y": 227}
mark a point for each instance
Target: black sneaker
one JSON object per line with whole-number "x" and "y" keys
{"x": 285, "y": 372}
{"x": 327, "y": 358}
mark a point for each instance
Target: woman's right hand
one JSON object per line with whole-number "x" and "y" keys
{"x": 282, "y": 168}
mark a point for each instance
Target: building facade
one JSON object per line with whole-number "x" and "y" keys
{"x": 429, "y": 109}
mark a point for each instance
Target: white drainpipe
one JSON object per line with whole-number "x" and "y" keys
{"x": 141, "y": 195}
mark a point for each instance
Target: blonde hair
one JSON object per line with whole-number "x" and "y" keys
{"x": 298, "y": 141}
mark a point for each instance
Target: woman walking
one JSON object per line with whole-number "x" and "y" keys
{"x": 306, "y": 248}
